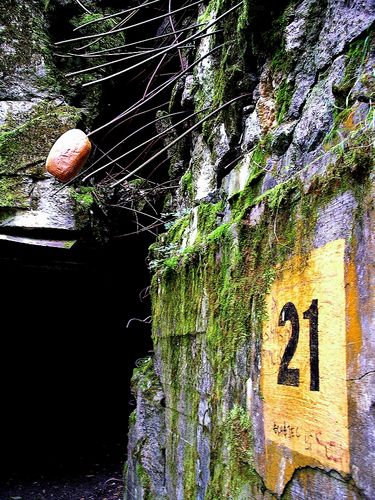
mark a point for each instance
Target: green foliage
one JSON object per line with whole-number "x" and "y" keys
{"x": 106, "y": 42}
{"x": 13, "y": 193}
{"x": 83, "y": 196}
{"x": 187, "y": 184}
{"x": 283, "y": 98}
{"x": 355, "y": 59}
{"x": 234, "y": 466}
{"x": 144, "y": 376}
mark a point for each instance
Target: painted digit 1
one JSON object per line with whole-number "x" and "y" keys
{"x": 290, "y": 376}
{"x": 312, "y": 315}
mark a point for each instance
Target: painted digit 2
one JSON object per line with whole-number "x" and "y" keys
{"x": 290, "y": 376}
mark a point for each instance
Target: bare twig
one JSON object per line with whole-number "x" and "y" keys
{"x": 176, "y": 45}
{"x": 83, "y": 7}
{"x": 155, "y": 92}
{"x": 117, "y": 14}
{"x": 137, "y": 131}
{"x": 112, "y": 32}
{"x": 122, "y": 59}
{"x": 153, "y": 138}
{"x": 170, "y": 17}
{"x": 146, "y": 320}
{"x": 166, "y": 35}
{"x": 153, "y": 75}
{"x": 175, "y": 141}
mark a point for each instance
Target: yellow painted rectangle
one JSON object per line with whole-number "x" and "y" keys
{"x": 311, "y": 423}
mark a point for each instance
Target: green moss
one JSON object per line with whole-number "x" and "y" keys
{"x": 219, "y": 233}
{"x": 243, "y": 200}
{"x": 132, "y": 418}
{"x": 144, "y": 480}
{"x": 13, "y": 193}
{"x": 83, "y": 207}
{"x": 283, "y": 99}
{"x": 83, "y": 196}
{"x": 25, "y": 33}
{"x": 144, "y": 376}
{"x": 207, "y": 219}
{"x": 187, "y": 184}
{"x": 355, "y": 59}
{"x": 285, "y": 192}
{"x": 24, "y": 149}
{"x": 234, "y": 465}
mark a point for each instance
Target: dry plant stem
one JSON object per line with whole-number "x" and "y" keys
{"x": 155, "y": 137}
{"x": 175, "y": 141}
{"x": 112, "y": 32}
{"x": 122, "y": 59}
{"x": 135, "y": 133}
{"x": 83, "y": 7}
{"x": 141, "y": 154}
{"x": 174, "y": 34}
{"x": 130, "y": 118}
{"x": 139, "y": 51}
{"x": 103, "y": 51}
{"x": 150, "y": 174}
{"x": 145, "y": 229}
{"x": 176, "y": 45}
{"x": 160, "y": 63}
{"x": 146, "y": 320}
{"x": 117, "y": 14}
{"x": 233, "y": 162}
{"x": 155, "y": 92}
{"x": 141, "y": 213}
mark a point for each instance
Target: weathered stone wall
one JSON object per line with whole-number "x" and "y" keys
{"x": 35, "y": 109}
{"x": 262, "y": 382}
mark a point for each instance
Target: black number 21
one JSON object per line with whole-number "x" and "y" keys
{"x": 290, "y": 376}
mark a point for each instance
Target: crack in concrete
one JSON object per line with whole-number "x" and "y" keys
{"x": 333, "y": 473}
{"x": 361, "y": 377}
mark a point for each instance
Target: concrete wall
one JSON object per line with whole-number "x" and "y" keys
{"x": 262, "y": 383}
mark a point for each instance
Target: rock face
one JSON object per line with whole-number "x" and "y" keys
{"x": 263, "y": 291}
{"x": 35, "y": 111}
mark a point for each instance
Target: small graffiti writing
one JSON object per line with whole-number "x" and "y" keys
{"x": 331, "y": 450}
{"x": 286, "y": 430}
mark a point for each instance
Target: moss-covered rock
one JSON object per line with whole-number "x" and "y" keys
{"x": 24, "y": 149}
{"x": 26, "y": 62}
{"x": 299, "y": 176}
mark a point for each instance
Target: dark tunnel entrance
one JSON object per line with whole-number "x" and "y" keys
{"x": 67, "y": 356}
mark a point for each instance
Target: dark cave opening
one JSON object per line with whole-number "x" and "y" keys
{"x": 66, "y": 353}
{"x": 67, "y": 356}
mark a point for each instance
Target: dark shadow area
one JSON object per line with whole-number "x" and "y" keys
{"x": 66, "y": 355}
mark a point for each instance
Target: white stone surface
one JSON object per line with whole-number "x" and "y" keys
{"x": 203, "y": 170}
{"x": 252, "y": 131}
{"x": 54, "y": 210}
